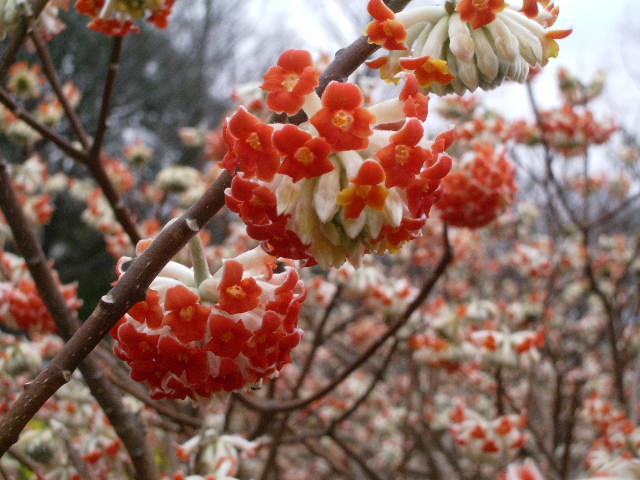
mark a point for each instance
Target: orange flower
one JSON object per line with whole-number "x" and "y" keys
{"x": 365, "y": 191}
{"x": 289, "y": 81}
{"x": 250, "y": 147}
{"x": 186, "y": 317}
{"x": 228, "y": 337}
{"x": 342, "y": 121}
{"x": 402, "y": 159}
{"x": 305, "y": 156}
{"x": 415, "y": 103}
{"x": 237, "y": 295}
{"x": 428, "y": 70}
{"x": 480, "y": 12}
{"x": 385, "y": 30}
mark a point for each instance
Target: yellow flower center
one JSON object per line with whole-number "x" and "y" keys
{"x": 342, "y": 120}
{"x": 227, "y": 337}
{"x": 480, "y": 4}
{"x": 186, "y": 314}
{"x": 236, "y": 291}
{"x": 304, "y": 155}
{"x": 254, "y": 141}
{"x": 402, "y": 154}
{"x": 363, "y": 190}
{"x": 290, "y": 81}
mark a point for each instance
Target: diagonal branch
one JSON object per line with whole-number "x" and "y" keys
{"x": 287, "y": 405}
{"x": 129, "y": 290}
{"x": 11, "y": 51}
{"x": 128, "y": 427}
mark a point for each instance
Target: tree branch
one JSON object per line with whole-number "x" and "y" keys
{"x": 128, "y": 427}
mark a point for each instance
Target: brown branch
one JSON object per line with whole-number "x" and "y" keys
{"x": 26, "y": 461}
{"x": 93, "y": 159}
{"x": 280, "y": 406}
{"x": 39, "y": 127}
{"x": 568, "y": 439}
{"x": 129, "y": 290}
{"x": 50, "y": 73}
{"x": 135, "y": 389}
{"x": 128, "y": 427}
{"x": 355, "y": 457}
{"x": 11, "y": 51}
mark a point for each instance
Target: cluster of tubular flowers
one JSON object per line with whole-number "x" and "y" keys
{"x": 487, "y": 439}
{"x": 334, "y": 187}
{"x": 21, "y": 307}
{"x": 48, "y": 24}
{"x": 31, "y": 183}
{"x": 480, "y": 187}
{"x": 118, "y": 17}
{"x": 526, "y": 470}
{"x": 615, "y": 452}
{"x": 464, "y": 45}
{"x": 197, "y": 335}
{"x": 478, "y": 332}
{"x": 568, "y": 130}
{"x": 219, "y": 455}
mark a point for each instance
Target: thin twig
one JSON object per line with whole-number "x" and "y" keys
{"x": 127, "y": 426}
{"x": 280, "y": 405}
{"x": 130, "y": 289}
{"x": 11, "y": 50}
{"x": 50, "y": 72}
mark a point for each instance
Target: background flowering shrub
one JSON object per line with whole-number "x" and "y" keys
{"x": 392, "y": 285}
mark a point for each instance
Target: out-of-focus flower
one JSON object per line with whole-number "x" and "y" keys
{"x": 475, "y": 45}
{"x": 333, "y": 192}
{"x": 479, "y": 189}
{"x": 138, "y": 153}
{"x": 177, "y": 178}
{"x": 25, "y": 81}
{"x": 229, "y": 332}
{"x": 118, "y": 18}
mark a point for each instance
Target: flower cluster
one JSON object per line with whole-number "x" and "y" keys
{"x": 479, "y": 188}
{"x": 478, "y": 332}
{"x": 474, "y": 45}
{"x": 336, "y": 187}
{"x": 487, "y": 439}
{"x": 118, "y": 17}
{"x": 219, "y": 455}
{"x": 568, "y": 130}
{"x": 21, "y": 307}
{"x": 229, "y": 332}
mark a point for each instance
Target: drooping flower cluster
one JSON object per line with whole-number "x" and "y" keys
{"x": 336, "y": 187}
{"x": 118, "y": 17}
{"x": 21, "y": 307}
{"x": 479, "y": 189}
{"x": 229, "y": 332}
{"x": 27, "y": 82}
{"x": 31, "y": 184}
{"x": 615, "y": 452}
{"x": 48, "y": 24}
{"x": 219, "y": 455}
{"x": 478, "y": 332}
{"x": 474, "y": 45}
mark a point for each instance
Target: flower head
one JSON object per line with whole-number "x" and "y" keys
{"x": 480, "y": 12}
{"x": 343, "y": 121}
{"x": 385, "y": 30}
{"x": 289, "y": 81}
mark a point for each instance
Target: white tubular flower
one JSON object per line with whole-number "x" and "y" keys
{"x": 10, "y": 14}
{"x": 464, "y": 45}
{"x": 178, "y": 179}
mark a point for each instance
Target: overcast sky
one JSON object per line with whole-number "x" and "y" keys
{"x": 602, "y": 39}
